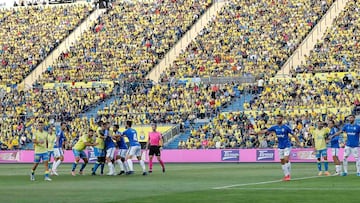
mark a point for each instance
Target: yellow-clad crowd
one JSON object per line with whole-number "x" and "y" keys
{"x": 128, "y": 40}
{"x": 170, "y": 104}
{"x": 29, "y": 34}
{"x": 252, "y": 37}
{"x": 58, "y": 104}
{"x": 326, "y": 95}
{"x": 235, "y": 130}
{"x": 339, "y": 49}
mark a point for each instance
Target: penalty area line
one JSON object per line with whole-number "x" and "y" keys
{"x": 265, "y": 182}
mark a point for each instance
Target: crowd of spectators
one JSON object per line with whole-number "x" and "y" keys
{"x": 235, "y": 130}
{"x": 339, "y": 48}
{"x": 31, "y": 33}
{"x": 249, "y": 37}
{"x": 123, "y": 37}
{"x": 301, "y": 93}
{"x": 123, "y": 46}
{"x": 127, "y": 41}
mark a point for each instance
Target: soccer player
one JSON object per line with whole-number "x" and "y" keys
{"x": 319, "y": 136}
{"x": 58, "y": 148}
{"x": 40, "y": 140}
{"x": 282, "y": 132}
{"x": 334, "y": 144}
{"x": 78, "y": 150}
{"x": 51, "y": 142}
{"x": 154, "y": 143}
{"x": 352, "y": 131}
{"x": 99, "y": 149}
{"x": 123, "y": 148}
{"x": 110, "y": 149}
{"x": 135, "y": 148}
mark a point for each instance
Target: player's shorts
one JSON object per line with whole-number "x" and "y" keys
{"x": 154, "y": 150}
{"x": 284, "y": 152}
{"x": 80, "y": 154}
{"x": 50, "y": 154}
{"x": 99, "y": 152}
{"x": 41, "y": 156}
{"x": 110, "y": 153}
{"x": 335, "y": 151}
{"x": 321, "y": 153}
{"x": 351, "y": 151}
{"x": 122, "y": 153}
{"x": 134, "y": 151}
{"x": 58, "y": 152}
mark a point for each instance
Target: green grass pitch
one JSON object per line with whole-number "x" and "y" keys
{"x": 210, "y": 183}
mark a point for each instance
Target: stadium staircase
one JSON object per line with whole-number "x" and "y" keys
{"x": 187, "y": 38}
{"x": 101, "y": 105}
{"x": 173, "y": 144}
{"x": 237, "y": 103}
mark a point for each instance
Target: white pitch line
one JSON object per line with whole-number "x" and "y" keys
{"x": 296, "y": 189}
{"x": 265, "y": 182}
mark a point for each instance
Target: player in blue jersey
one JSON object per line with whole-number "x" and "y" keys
{"x": 123, "y": 148}
{"x": 334, "y": 144}
{"x": 282, "y": 132}
{"x": 110, "y": 149}
{"x": 352, "y": 131}
{"x": 135, "y": 148}
{"x": 58, "y": 148}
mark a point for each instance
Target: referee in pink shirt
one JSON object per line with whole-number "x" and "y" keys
{"x": 154, "y": 141}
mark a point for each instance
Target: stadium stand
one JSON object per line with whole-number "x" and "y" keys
{"x": 230, "y": 46}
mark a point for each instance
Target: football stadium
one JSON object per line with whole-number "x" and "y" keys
{"x": 179, "y": 101}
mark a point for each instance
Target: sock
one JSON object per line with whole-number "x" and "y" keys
{"x": 50, "y": 165}
{"x": 83, "y": 166}
{"x": 150, "y": 164}
{"x": 126, "y": 167}
{"x": 285, "y": 169}
{"x": 96, "y": 166}
{"x": 319, "y": 165}
{"x": 111, "y": 167}
{"x": 56, "y": 164}
{"x": 130, "y": 164}
{"x": 47, "y": 174}
{"x": 288, "y": 166}
{"x": 121, "y": 165}
{"x": 345, "y": 165}
{"x": 102, "y": 166}
{"x": 74, "y": 166}
{"x": 142, "y": 164}
{"x": 32, "y": 172}
{"x": 163, "y": 165}
{"x": 338, "y": 168}
{"x": 326, "y": 165}
{"x": 358, "y": 166}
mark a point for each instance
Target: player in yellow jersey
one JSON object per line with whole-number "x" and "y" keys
{"x": 99, "y": 150}
{"x": 40, "y": 140}
{"x": 319, "y": 135}
{"x": 78, "y": 150}
{"x": 51, "y": 142}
